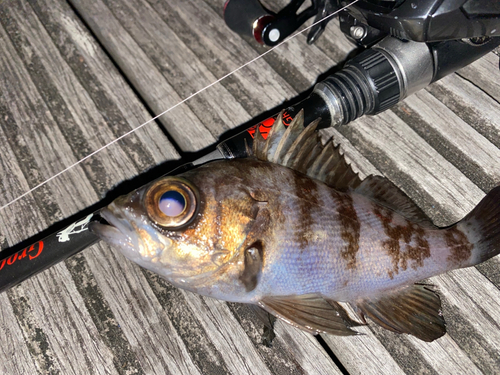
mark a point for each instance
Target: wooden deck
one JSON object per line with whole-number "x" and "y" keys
{"x": 75, "y": 75}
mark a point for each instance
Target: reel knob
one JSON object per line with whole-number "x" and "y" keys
{"x": 247, "y": 18}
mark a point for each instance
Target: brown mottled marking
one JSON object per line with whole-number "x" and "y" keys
{"x": 407, "y": 232}
{"x": 307, "y": 192}
{"x": 350, "y": 227}
{"x": 459, "y": 245}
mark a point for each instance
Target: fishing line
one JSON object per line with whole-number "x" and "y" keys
{"x": 173, "y": 107}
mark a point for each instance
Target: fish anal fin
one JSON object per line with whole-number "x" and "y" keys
{"x": 382, "y": 191}
{"x": 414, "y": 309}
{"x": 311, "y": 313}
{"x": 345, "y": 315}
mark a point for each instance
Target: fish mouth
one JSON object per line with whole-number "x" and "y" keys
{"x": 117, "y": 232}
{"x": 140, "y": 244}
{"x": 134, "y": 241}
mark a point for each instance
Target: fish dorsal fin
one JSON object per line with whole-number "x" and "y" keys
{"x": 300, "y": 148}
{"x": 382, "y": 191}
{"x": 311, "y": 313}
{"x": 414, "y": 309}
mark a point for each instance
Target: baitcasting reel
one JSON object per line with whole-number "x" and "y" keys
{"x": 368, "y": 21}
{"x": 408, "y": 45}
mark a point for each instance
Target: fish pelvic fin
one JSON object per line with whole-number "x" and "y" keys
{"x": 414, "y": 309}
{"x": 311, "y": 313}
{"x": 267, "y": 319}
{"x": 482, "y": 228}
{"x": 254, "y": 250}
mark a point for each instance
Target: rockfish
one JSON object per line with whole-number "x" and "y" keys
{"x": 295, "y": 231}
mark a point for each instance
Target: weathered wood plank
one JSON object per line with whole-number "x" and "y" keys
{"x": 151, "y": 81}
{"x": 453, "y": 138}
{"x": 111, "y": 95}
{"x": 471, "y": 104}
{"x": 473, "y": 302}
{"x": 145, "y": 76}
{"x": 151, "y": 335}
{"x": 134, "y": 322}
{"x": 179, "y": 65}
{"x": 62, "y": 98}
{"x": 226, "y": 334}
{"x": 59, "y": 328}
{"x": 382, "y": 344}
{"x": 363, "y": 354}
{"x": 484, "y": 73}
{"x": 256, "y": 87}
{"x": 15, "y": 354}
{"x": 305, "y": 350}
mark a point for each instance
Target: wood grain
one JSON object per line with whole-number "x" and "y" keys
{"x": 146, "y": 23}
{"x": 61, "y": 98}
{"x": 66, "y": 90}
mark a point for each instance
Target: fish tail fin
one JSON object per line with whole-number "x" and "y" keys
{"x": 482, "y": 227}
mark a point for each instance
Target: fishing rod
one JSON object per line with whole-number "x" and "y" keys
{"x": 392, "y": 68}
{"x": 42, "y": 254}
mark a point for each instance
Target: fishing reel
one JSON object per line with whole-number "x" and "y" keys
{"x": 366, "y": 22}
{"x": 407, "y": 44}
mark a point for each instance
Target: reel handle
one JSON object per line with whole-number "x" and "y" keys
{"x": 250, "y": 18}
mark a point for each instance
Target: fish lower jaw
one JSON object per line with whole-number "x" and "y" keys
{"x": 110, "y": 234}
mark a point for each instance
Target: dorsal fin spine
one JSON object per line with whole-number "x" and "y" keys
{"x": 300, "y": 148}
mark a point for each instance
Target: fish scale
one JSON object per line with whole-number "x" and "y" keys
{"x": 294, "y": 265}
{"x": 294, "y": 230}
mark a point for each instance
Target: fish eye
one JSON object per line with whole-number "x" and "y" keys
{"x": 171, "y": 202}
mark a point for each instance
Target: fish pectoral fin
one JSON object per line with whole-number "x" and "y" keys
{"x": 311, "y": 313}
{"x": 253, "y": 260}
{"x": 414, "y": 309}
{"x": 253, "y": 250}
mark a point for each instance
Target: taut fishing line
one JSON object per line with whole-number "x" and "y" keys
{"x": 173, "y": 107}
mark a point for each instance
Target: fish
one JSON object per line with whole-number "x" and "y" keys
{"x": 294, "y": 230}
